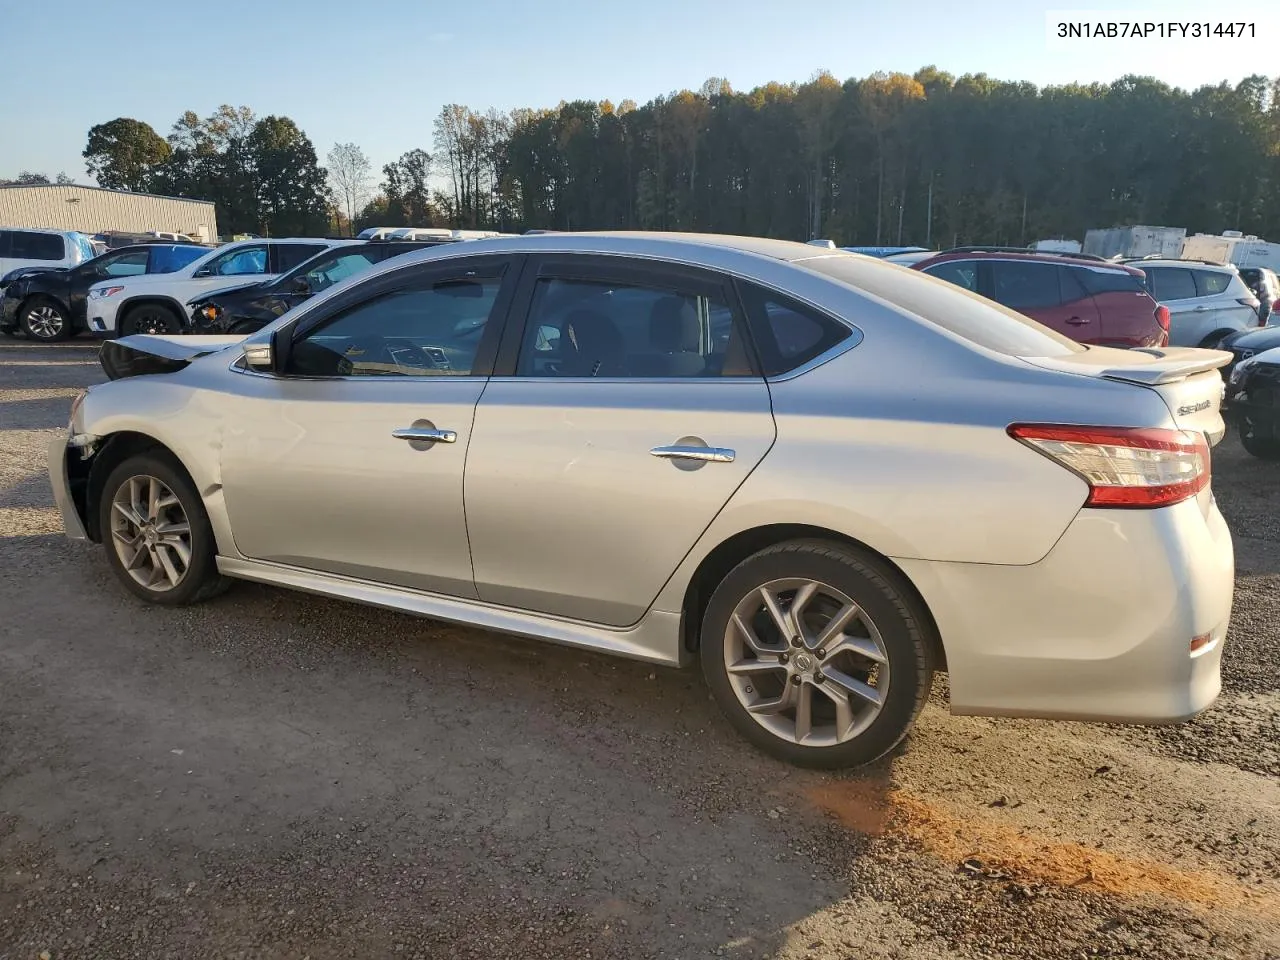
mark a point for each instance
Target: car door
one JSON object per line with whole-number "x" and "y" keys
{"x": 130, "y": 263}
{"x": 1175, "y": 287}
{"x": 1035, "y": 289}
{"x": 349, "y": 460}
{"x": 627, "y": 412}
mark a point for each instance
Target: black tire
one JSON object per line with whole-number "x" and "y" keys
{"x": 1214, "y": 340}
{"x": 1264, "y": 448}
{"x": 151, "y": 318}
{"x": 201, "y": 579}
{"x": 904, "y": 627}
{"x": 45, "y": 320}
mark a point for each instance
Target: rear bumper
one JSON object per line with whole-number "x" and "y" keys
{"x": 59, "y": 451}
{"x": 1101, "y": 628}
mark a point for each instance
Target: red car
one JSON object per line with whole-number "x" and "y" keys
{"x": 1091, "y": 301}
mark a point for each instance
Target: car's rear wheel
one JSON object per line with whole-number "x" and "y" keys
{"x": 45, "y": 319}
{"x": 150, "y": 318}
{"x": 1264, "y": 447}
{"x": 156, "y": 532}
{"x": 817, "y": 653}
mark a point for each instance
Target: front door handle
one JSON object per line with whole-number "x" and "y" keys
{"x": 424, "y": 435}
{"x": 1076, "y": 321}
{"x": 709, "y": 454}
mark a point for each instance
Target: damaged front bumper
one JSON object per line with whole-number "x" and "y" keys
{"x": 65, "y": 450}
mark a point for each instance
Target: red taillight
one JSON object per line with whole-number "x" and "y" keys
{"x": 1125, "y": 466}
{"x": 1162, "y": 317}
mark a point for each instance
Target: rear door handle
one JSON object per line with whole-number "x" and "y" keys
{"x": 1076, "y": 321}
{"x": 709, "y": 454}
{"x": 422, "y": 434}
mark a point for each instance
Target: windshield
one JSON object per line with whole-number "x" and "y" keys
{"x": 964, "y": 314}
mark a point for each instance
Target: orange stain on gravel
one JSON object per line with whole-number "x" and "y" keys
{"x": 1026, "y": 857}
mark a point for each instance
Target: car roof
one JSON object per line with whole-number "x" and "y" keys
{"x": 1029, "y": 255}
{"x": 57, "y": 233}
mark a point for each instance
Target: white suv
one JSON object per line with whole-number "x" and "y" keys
{"x": 156, "y": 303}
{"x": 42, "y": 248}
{"x": 1207, "y": 301}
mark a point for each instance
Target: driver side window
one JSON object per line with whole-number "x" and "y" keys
{"x": 431, "y": 328}
{"x": 240, "y": 262}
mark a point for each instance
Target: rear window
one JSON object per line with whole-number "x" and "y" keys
{"x": 1211, "y": 282}
{"x": 788, "y": 334}
{"x": 290, "y": 255}
{"x": 964, "y": 314}
{"x": 29, "y": 245}
{"x": 1108, "y": 281}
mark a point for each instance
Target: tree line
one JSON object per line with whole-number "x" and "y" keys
{"x": 925, "y": 159}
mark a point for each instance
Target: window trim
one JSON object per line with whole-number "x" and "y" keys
{"x": 510, "y": 265}
{"x": 622, "y": 269}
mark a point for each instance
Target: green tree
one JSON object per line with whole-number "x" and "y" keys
{"x": 292, "y": 192}
{"x": 122, "y": 154}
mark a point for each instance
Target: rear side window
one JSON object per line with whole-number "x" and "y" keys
{"x": 1025, "y": 285}
{"x": 6, "y": 242}
{"x": 169, "y": 259}
{"x": 1171, "y": 283}
{"x": 787, "y": 333}
{"x": 290, "y": 255}
{"x": 1098, "y": 282}
{"x": 963, "y": 273}
{"x": 1211, "y": 282}
{"x": 28, "y": 245}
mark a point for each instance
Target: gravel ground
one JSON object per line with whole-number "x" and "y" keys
{"x": 274, "y": 774}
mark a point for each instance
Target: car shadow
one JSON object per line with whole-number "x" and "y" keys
{"x": 609, "y": 790}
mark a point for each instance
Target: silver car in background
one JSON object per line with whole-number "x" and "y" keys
{"x": 821, "y": 475}
{"x": 1207, "y": 302}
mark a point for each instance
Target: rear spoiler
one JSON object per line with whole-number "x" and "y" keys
{"x": 144, "y": 354}
{"x": 1149, "y": 366}
{"x": 1174, "y": 363}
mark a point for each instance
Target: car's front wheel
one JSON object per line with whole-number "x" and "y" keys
{"x": 45, "y": 319}
{"x": 156, "y": 531}
{"x": 817, "y": 653}
{"x": 150, "y": 318}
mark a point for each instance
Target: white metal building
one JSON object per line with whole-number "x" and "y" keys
{"x": 96, "y": 210}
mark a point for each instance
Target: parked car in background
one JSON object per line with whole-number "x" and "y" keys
{"x": 20, "y": 248}
{"x": 910, "y": 257}
{"x": 157, "y": 304}
{"x": 51, "y": 304}
{"x": 1265, "y": 285}
{"x": 1250, "y": 343}
{"x": 1206, "y": 301}
{"x": 241, "y": 310}
{"x": 1089, "y": 300}
{"x": 820, "y": 474}
{"x": 884, "y": 252}
{"x": 1253, "y": 402}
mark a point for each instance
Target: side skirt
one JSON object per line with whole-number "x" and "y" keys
{"x": 655, "y": 639}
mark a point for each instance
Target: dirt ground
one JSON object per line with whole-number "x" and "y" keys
{"x": 276, "y": 775}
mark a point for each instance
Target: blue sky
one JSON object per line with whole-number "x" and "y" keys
{"x": 377, "y": 74}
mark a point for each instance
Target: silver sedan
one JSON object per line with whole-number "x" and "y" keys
{"x": 824, "y": 476}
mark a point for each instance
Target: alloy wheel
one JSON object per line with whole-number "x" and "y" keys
{"x": 151, "y": 533}
{"x": 154, "y": 323}
{"x": 45, "y": 322}
{"x": 806, "y": 662}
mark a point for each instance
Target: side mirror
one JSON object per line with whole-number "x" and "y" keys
{"x": 301, "y": 285}
{"x": 202, "y": 272}
{"x": 260, "y": 356}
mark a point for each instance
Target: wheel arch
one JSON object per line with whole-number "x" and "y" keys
{"x": 113, "y": 450}
{"x": 149, "y": 299}
{"x": 715, "y": 566}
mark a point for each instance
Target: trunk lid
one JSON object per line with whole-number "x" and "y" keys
{"x": 1186, "y": 378}
{"x": 147, "y": 354}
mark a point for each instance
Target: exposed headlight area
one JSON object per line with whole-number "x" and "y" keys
{"x": 1242, "y": 368}
{"x": 104, "y": 292}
